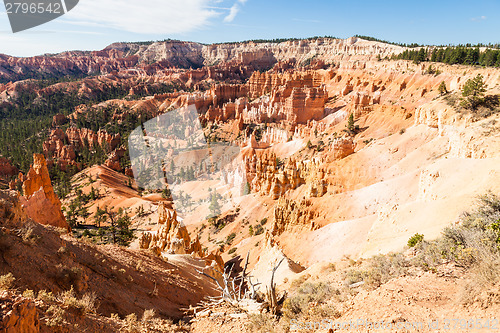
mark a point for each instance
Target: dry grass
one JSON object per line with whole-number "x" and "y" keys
{"x": 29, "y": 294}
{"x": 27, "y": 234}
{"x": 86, "y": 304}
{"x": 46, "y": 296}
{"x": 55, "y": 316}
{"x": 474, "y": 244}
{"x": 6, "y": 281}
{"x": 378, "y": 270}
{"x": 263, "y": 323}
{"x": 307, "y": 295}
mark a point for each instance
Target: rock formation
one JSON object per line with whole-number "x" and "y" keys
{"x": 39, "y": 200}
{"x": 6, "y": 168}
{"x": 63, "y": 147}
{"x": 289, "y": 215}
{"x": 18, "y": 314}
{"x": 172, "y": 237}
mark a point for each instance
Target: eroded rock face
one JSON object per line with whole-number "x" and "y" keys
{"x": 39, "y": 200}
{"x": 62, "y": 146}
{"x": 289, "y": 215}
{"x": 343, "y": 147}
{"x": 10, "y": 208}
{"x": 19, "y": 314}
{"x": 173, "y": 238}
{"x": 6, "y": 168}
{"x": 268, "y": 175}
{"x": 293, "y": 99}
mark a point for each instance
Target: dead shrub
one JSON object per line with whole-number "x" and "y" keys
{"x": 7, "y": 281}
{"x": 262, "y": 322}
{"x": 307, "y": 293}
{"x": 46, "y": 296}
{"x": 55, "y": 316}
{"x": 86, "y": 304}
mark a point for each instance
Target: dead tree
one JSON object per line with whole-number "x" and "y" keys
{"x": 232, "y": 289}
{"x": 242, "y": 293}
{"x": 271, "y": 297}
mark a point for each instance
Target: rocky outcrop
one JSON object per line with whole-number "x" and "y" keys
{"x": 6, "y": 168}
{"x": 172, "y": 237}
{"x": 342, "y": 147}
{"x": 63, "y": 146}
{"x": 269, "y": 176}
{"x": 291, "y": 98}
{"x": 11, "y": 209}
{"x": 113, "y": 160}
{"x": 292, "y": 215}
{"x": 18, "y": 314}
{"x": 59, "y": 120}
{"x": 39, "y": 200}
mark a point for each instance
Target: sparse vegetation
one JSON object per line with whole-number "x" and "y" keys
{"x": 86, "y": 304}
{"x": 6, "y": 281}
{"x": 473, "y": 93}
{"x": 308, "y": 292}
{"x": 230, "y": 238}
{"x": 415, "y": 239}
{"x": 378, "y": 270}
{"x": 442, "y": 88}
{"x": 351, "y": 127}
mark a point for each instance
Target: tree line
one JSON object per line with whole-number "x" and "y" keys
{"x": 452, "y": 55}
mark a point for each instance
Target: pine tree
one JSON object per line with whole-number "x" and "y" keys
{"x": 473, "y": 92}
{"x": 442, "y": 88}
{"x": 214, "y": 207}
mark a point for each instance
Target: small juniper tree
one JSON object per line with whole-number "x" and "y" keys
{"x": 442, "y": 88}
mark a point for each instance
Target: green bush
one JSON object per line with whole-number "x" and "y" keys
{"x": 230, "y": 238}
{"x": 415, "y": 239}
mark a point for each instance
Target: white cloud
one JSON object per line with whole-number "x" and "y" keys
{"x": 242, "y": 1}
{"x": 479, "y": 18}
{"x": 232, "y": 13}
{"x": 146, "y": 16}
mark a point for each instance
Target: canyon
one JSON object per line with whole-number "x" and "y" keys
{"x": 337, "y": 154}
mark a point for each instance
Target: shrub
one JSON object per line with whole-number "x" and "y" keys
{"x": 131, "y": 324}
{"x": 378, "y": 270}
{"x": 258, "y": 230}
{"x": 442, "y": 88}
{"x": 231, "y": 251}
{"x": 415, "y": 239}
{"x": 230, "y": 238}
{"x": 56, "y": 316}
{"x": 28, "y": 293}
{"x": 86, "y": 304}
{"x": 308, "y": 292}
{"x": 262, "y": 322}
{"x": 6, "y": 281}
{"x": 148, "y": 315}
{"x": 45, "y": 296}
{"x": 69, "y": 276}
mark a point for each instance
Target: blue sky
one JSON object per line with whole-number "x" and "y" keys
{"x": 94, "y": 24}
